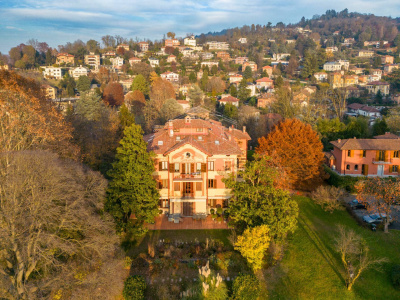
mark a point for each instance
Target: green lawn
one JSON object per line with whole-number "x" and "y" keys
{"x": 311, "y": 269}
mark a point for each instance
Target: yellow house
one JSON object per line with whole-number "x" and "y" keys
{"x": 192, "y": 158}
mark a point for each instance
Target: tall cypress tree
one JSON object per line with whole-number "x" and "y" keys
{"x": 132, "y": 190}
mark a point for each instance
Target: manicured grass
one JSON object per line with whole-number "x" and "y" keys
{"x": 311, "y": 269}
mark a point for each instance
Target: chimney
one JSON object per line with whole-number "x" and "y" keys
{"x": 339, "y": 140}
{"x": 229, "y": 137}
{"x": 230, "y": 129}
{"x": 244, "y": 129}
{"x": 170, "y": 129}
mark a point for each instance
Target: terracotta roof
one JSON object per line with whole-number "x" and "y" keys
{"x": 216, "y": 132}
{"x": 367, "y": 144}
{"x": 378, "y": 83}
{"x": 387, "y": 135}
{"x": 229, "y": 99}
{"x": 329, "y": 155}
{"x": 264, "y": 79}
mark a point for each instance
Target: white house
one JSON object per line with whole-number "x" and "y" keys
{"x": 218, "y": 45}
{"x": 209, "y": 63}
{"x": 321, "y": 76}
{"x": 189, "y": 41}
{"x": 242, "y": 40}
{"x": 79, "y": 71}
{"x": 170, "y": 76}
{"x": 52, "y": 72}
{"x": 154, "y": 62}
{"x": 117, "y": 62}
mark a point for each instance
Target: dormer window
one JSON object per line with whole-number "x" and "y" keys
{"x": 216, "y": 142}
{"x": 187, "y": 119}
{"x": 160, "y": 143}
{"x": 188, "y": 155}
{"x": 200, "y": 138}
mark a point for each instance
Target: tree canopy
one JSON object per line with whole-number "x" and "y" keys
{"x": 132, "y": 196}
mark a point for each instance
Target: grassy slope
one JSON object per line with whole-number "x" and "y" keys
{"x": 311, "y": 269}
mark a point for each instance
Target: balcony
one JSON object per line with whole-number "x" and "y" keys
{"x": 382, "y": 161}
{"x": 192, "y": 177}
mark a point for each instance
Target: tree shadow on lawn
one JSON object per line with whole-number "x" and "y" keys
{"x": 319, "y": 245}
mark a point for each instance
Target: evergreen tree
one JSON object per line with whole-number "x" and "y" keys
{"x": 243, "y": 92}
{"x": 233, "y": 90}
{"x": 248, "y": 73}
{"x": 132, "y": 191}
{"x": 380, "y": 127}
{"x": 83, "y": 84}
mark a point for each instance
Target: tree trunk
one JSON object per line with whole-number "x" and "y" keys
{"x": 387, "y": 224}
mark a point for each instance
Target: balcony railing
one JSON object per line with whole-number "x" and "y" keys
{"x": 188, "y": 177}
{"x": 382, "y": 161}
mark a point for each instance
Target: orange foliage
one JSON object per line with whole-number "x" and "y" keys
{"x": 28, "y": 120}
{"x": 135, "y": 101}
{"x": 298, "y": 149}
{"x": 161, "y": 91}
{"x": 113, "y": 94}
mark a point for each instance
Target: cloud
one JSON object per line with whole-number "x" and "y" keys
{"x": 58, "y": 22}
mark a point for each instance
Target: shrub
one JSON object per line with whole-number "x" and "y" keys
{"x": 212, "y": 211}
{"x": 246, "y": 287}
{"x": 329, "y": 197}
{"x": 396, "y": 276}
{"x": 219, "y": 211}
{"x": 345, "y": 182}
{"x": 134, "y": 288}
{"x": 127, "y": 262}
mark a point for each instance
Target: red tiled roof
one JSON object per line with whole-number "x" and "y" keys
{"x": 378, "y": 83}
{"x": 229, "y": 99}
{"x": 367, "y": 144}
{"x": 387, "y": 135}
{"x": 216, "y": 132}
{"x": 264, "y": 79}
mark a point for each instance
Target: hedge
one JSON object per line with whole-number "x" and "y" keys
{"x": 346, "y": 182}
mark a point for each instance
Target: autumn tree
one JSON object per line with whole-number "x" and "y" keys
{"x": 54, "y": 230}
{"x": 142, "y": 69}
{"x": 330, "y": 198}
{"x": 215, "y": 85}
{"x": 299, "y": 151}
{"x": 381, "y": 195}
{"x": 135, "y": 101}
{"x": 132, "y": 191}
{"x": 113, "y": 94}
{"x": 354, "y": 254}
{"x": 28, "y": 120}
{"x": 259, "y": 199}
{"x": 161, "y": 90}
{"x": 253, "y": 245}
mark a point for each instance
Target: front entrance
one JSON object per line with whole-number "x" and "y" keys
{"x": 380, "y": 170}
{"x": 187, "y": 208}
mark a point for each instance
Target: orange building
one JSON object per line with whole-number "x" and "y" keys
{"x": 65, "y": 58}
{"x": 192, "y": 158}
{"x": 223, "y": 55}
{"x": 367, "y": 157}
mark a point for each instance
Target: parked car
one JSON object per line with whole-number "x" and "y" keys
{"x": 376, "y": 218}
{"x": 354, "y": 204}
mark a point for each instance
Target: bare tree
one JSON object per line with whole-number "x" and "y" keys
{"x": 338, "y": 101}
{"x": 52, "y": 235}
{"x": 354, "y": 254}
{"x": 330, "y": 198}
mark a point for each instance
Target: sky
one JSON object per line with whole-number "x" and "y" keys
{"x": 58, "y": 22}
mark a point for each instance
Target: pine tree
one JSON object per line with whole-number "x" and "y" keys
{"x": 132, "y": 191}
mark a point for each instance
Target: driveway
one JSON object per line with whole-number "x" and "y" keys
{"x": 359, "y": 213}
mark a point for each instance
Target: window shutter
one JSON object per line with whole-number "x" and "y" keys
{"x": 160, "y": 166}
{"x": 183, "y": 169}
{"x": 192, "y": 167}
{"x": 390, "y": 169}
{"x": 377, "y": 156}
{"x": 204, "y": 167}
{"x": 386, "y": 156}
{"x": 215, "y": 183}
{"x": 361, "y": 153}
{"x": 351, "y": 153}
{"x": 366, "y": 170}
{"x": 171, "y": 168}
